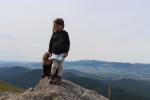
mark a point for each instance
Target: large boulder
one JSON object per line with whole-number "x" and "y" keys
{"x": 45, "y": 91}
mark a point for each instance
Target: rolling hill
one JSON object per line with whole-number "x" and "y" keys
{"x": 5, "y": 87}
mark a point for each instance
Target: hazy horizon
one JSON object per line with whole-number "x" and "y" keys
{"x": 115, "y": 31}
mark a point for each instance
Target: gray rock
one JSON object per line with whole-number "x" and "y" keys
{"x": 45, "y": 91}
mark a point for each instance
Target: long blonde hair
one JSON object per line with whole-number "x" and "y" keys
{"x": 45, "y": 56}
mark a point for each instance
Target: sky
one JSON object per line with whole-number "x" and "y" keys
{"x": 109, "y": 30}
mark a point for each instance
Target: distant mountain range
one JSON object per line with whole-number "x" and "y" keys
{"x": 127, "y": 81}
{"x": 102, "y": 69}
{"x": 112, "y": 70}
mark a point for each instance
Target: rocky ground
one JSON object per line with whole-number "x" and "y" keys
{"x": 45, "y": 91}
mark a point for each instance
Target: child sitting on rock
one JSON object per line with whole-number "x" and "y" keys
{"x": 47, "y": 65}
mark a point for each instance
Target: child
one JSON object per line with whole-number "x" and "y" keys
{"x": 47, "y": 64}
{"x": 58, "y": 48}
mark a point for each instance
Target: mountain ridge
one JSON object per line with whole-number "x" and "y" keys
{"x": 6, "y": 87}
{"x": 45, "y": 91}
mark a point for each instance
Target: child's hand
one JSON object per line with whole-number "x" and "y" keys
{"x": 50, "y": 54}
{"x": 65, "y": 54}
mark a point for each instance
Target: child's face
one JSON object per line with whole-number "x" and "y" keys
{"x": 58, "y": 27}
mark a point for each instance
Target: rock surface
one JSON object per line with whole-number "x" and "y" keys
{"x": 45, "y": 91}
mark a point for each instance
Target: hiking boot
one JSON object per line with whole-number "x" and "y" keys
{"x": 52, "y": 77}
{"x": 58, "y": 80}
{"x": 43, "y": 76}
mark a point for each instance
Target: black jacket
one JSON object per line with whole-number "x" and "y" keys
{"x": 59, "y": 42}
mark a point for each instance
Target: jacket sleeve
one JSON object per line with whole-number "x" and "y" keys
{"x": 67, "y": 43}
{"x": 50, "y": 45}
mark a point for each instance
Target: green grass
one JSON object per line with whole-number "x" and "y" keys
{"x": 5, "y": 87}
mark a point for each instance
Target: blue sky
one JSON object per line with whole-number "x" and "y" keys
{"x": 111, "y": 30}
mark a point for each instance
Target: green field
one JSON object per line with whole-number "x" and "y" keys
{"x": 5, "y": 87}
